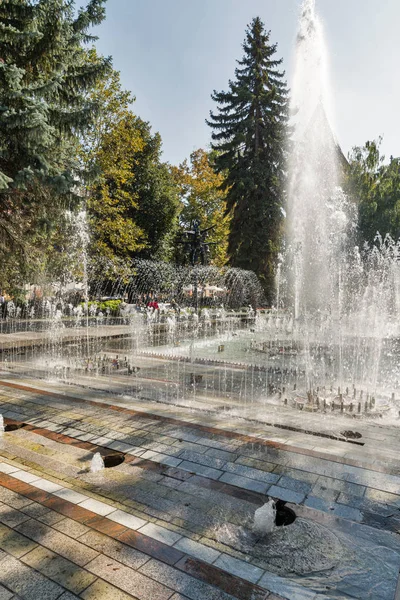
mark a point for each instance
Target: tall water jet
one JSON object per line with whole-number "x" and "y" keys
{"x": 317, "y": 222}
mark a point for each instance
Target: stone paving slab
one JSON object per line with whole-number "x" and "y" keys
{"x": 330, "y": 485}
{"x": 73, "y": 575}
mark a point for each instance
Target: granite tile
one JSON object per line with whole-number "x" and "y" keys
{"x": 26, "y": 582}
{"x": 6, "y": 594}
{"x": 239, "y": 568}
{"x": 42, "y": 513}
{"x": 258, "y": 475}
{"x": 181, "y": 582}
{"x": 11, "y": 517}
{"x": 227, "y": 585}
{"x": 284, "y": 494}
{"x": 6, "y": 468}
{"x": 45, "y": 485}
{"x": 59, "y": 569}
{"x": 202, "y": 459}
{"x": 100, "y": 508}
{"x": 25, "y": 476}
{"x": 150, "y": 546}
{"x": 71, "y": 495}
{"x": 126, "y": 519}
{"x": 128, "y": 580}
{"x": 244, "y": 482}
{"x": 293, "y": 484}
{"x": 319, "y": 503}
{"x": 197, "y": 549}
{"x": 160, "y": 533}
{"x": 70, "y": 527}
{"x": 57, "y": 542}
{"x": 114, "y": 549}
{"x": 347, "y": 512}
{"x": 101, "y": 590}
{"x": 14, "y": 543}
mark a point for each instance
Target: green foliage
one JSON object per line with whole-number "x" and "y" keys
{"x": 45, "y": 77}
{"x": 202, "y": 198}
{"x": 133, "y": 204}
{"x": 249, "y": 133}
{"x": 112, "y": 306}
{"x": 375, "y": 185}
{"x": 157, "y": 193}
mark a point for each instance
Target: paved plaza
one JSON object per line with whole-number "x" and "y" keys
{"x": 167, "y": 522}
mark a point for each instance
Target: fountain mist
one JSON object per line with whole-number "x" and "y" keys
{"x": 317, "y": 221}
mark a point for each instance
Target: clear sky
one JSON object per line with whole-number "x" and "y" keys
{"x": 173, "y": 53}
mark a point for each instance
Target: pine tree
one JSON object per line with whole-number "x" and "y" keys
{"x": 45, "y": 77}
{"x": 250, "y": 137}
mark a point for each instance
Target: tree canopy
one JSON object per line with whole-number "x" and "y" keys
{"x": 249, "y": 135}
{"x": 375, "y": 185}
{"x": 202, "y": 198}
{"x": 133, "y": 201}
{"x": 45, "y": 80}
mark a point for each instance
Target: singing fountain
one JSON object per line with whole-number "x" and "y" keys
{"x": 218, "y": 417}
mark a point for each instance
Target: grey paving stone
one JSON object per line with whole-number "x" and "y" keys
{"x": 245, "y": 483}
{"x": 294, "y": 473}
{"x": 41, "y": 513}
{"x": 46, "y": 485}
{"x": 11, "y": 517}
{"x": 12, "y": 499}
{"x": 100, "y": 590}
{"x": 239, "y": 568}
{"x": 6, "y": 468}
{"x": 160, "y": 533}
{"x": 319, "y": 503}
{"x": 325, "y": 493}
{"x": 200, "y": 469}
{"x": 287, "y": 495}
{"x": 343, "y": 486}
{"x": 222, "y": 455}
{"x": 128, "y": 580}
{"x": 294, "y": 484}
{"x": 202, "y": 459}
{"x": 5, "y": 594}
{"x": 159, "y": 457}
{"x": 59, "y": 569}
{"x": 71, "y": 528}
{"x": 197, "y": 550}
{"x": 285, "y": 588}
{"x": 120, "y": 446}
{"x": 347, "y": 512}
{"x": 70, "y": 495}
{"x": 255, "y": 474}
{"x": 364, "y": 504}
{"x": 57, "y": 542}
{"x": 182, "y": 583}
{"x": 68, "y": 596}
{"x": 26, "y": 582}
{"x": 192, "y": 446}
{"x": 100, "y": 508}
{"x": 114, "y": 549}
{"x": 380, "y": 496}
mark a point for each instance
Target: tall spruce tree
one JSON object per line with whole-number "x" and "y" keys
{"x": 45, "y": 77}
{"x": 250, "y": 136}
